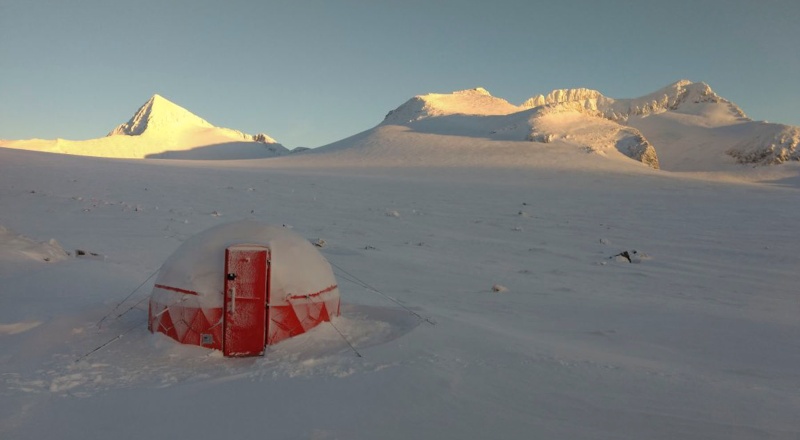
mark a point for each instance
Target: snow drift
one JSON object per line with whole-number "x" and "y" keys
{"x": 699, "y": 341}
{"x": 15, "y": 247}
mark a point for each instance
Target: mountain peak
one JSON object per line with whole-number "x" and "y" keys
{"x": 158, "y": 114}
{"x": 683, "y": 96}
{"x": 477, "y": 101}
{"x": 476, "y": 91}
{"x": 683, "y": 83}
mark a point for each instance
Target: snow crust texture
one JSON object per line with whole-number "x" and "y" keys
{"x": 575, "y": 295}
{"x": 14, "y": 246}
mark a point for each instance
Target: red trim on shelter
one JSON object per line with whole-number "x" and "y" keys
{"x": 311, "y": 295}
{"x": 176, "y": 289}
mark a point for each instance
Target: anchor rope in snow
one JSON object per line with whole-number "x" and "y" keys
{"x": 345, "y": 339}
{"x": 115, "y": 338}
{"x": 100, "y": 322}
{"x": 355, "y": 280}
{"x": 128, "y": 330}
{"x": 132, "y": 307}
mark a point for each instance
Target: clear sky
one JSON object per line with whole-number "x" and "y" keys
{"x": 312, "y": 72}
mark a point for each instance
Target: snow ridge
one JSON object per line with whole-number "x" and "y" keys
{"x": 573, "y": 123}
{"x": 681, "y": 95}
{"x": 573, "y": 116}
{"x": 477, "y": 101}
{"x": 588, "y": 98}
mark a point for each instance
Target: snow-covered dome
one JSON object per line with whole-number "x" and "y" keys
{"x": 217, "y": 274}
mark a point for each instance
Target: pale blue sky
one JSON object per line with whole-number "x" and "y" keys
{"x": 312, "y": 72}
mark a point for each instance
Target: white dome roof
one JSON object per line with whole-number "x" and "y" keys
{"x": 197, "y": 266}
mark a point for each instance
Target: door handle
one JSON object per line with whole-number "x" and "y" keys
{"x": 232, "y": 310}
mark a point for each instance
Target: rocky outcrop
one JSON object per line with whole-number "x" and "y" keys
{"x": 638, "y": 148}
{"x": 774, "y": 144}
{"x": 572, "y": 122}
{"x": 586, "y": 98}
{"x": 263, "y": 138}
{"x": 671, "y": 98}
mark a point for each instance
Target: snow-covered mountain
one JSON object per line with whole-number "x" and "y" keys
{"x": 685, "y": 126}
{"x": 469, "y": 237}
{"x": 162, "y": 129}
{"x": 157, "y": 116}
{"x": 683, "y": 96}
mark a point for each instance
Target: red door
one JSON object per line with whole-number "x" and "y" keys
{"x": 247, "y": 269}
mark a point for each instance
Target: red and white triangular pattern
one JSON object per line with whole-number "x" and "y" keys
{"x": 187, "y": 325}
{"x": 298, "y": 317}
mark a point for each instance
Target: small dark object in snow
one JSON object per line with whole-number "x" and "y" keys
{"x": 320, "y": 243}
{"x": 80, "y": 253}
{"x": 369, "y": 248}
{"x": 628, "y": 255}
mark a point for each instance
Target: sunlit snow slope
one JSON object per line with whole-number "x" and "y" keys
{"x": 682, "y": 127}
{"x": 162, "y": 129}
{"x": 478, "y": 302}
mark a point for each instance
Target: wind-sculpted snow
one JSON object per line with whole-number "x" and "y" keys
{"x": 14, "y": 246}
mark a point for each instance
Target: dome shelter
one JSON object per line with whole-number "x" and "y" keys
{"x": 241, "y": 286}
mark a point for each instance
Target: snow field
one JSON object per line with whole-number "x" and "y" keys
{"x": 698, "y": 340}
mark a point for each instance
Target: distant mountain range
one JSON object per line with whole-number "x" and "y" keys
{"x": 683, "y": 127}
{"x": 164, "y": 130}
